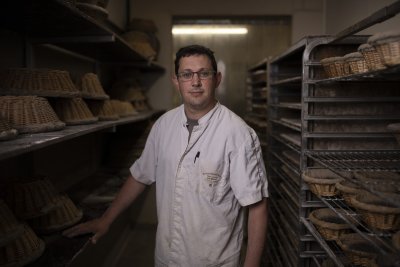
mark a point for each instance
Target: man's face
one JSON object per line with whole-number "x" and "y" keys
{"x": 197, "y": 94}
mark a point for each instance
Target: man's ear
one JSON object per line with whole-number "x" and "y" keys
{"x": 218, "y": 77}
{"x": 175, "y": 81}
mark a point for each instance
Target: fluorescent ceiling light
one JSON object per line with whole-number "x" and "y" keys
{"x": 208, "y": 30}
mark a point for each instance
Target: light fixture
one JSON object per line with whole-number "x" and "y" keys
{"x": 208, "y": 30}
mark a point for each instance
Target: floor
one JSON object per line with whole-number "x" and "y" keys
{"x": 138, "y": 250}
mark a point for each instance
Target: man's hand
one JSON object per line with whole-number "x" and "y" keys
{"x": 98, "y": 227}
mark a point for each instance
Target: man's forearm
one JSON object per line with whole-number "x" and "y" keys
{"x": 257, "y": 229}
{"x": 128, "y": 193}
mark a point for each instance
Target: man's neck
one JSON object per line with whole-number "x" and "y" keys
{"x": 194, "y": 114}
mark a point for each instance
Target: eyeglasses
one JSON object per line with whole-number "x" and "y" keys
{"x": 203, "y": 75}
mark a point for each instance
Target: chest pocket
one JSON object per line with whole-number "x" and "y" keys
{"x": 210, "y": 180}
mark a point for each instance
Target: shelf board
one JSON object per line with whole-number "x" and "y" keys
{"x": 288, "y": 105}
{"x": 388, "y": 74}
{"x": 59, "y": 23}
{"x": 350, "y": 99}
{"x": 290, "y": 80}
{"x": 30, "y": 142}
{"x": 262, "y": 65}
{"x": 351, "y": 117}
{"x": 356, "y": 160}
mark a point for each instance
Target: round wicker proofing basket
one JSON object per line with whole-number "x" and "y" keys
{"x": 73, "y": 111}
{"x": 388, "y": 46}
{"x": 103, "y": 109}
{"x": 347, "y": 190}
{"x": 356, "y": 62}
{"x": 359, "y": 250}
{"x": 321, "y": 181}
{"x": 91, "y": 87}
{"x": 329, "y": 66}
{"x": 10, "y": 228}
{"x": 26, "y": 249}
{"x": 29, "y": 114}
{"x": 38, "y": 82}
{"x": 123, "y": 108}
{"x": 6, "y": 131}
{"x": 371, "y": 56}
{"x": 378, "y": 212}
{"x": 329, "y": 224}
{"x": 32, "y": 199}
{"x": 65, "y": 215}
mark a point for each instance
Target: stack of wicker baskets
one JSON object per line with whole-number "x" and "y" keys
{"x": 141, "y": 36}
{"x": 130, "y": 91}
{"x": 19, "y": 245}
{"x": 26, "y": 109}
{"x": 97, "y": 101}
{"x": 42, "y": 206}
{"x": 382, "y": 50}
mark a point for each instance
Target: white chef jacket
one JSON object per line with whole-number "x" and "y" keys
{"x": 201, "y": 185}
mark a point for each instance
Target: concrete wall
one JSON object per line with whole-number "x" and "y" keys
{"x": 307, "y": 20}
{"x": 352, "y": 11}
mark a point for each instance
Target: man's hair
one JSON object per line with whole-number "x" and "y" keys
{"x": 195, "y": 50}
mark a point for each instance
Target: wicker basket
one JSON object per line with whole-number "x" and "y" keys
{"x": 356, "y": 62}
{"x": 388, "y": 46}
{"x": 143, "y": 25}
{"x": 123, "y": 108}
{"x": 6, "y": 131}
{"x": 29, "y": 114}
{"x": 359, "y": 250}
{"x": 57, "y": 219}
{"x": 141, "y": 43}
{"x": 103, "y": 109}
{"x": 32, "y": 199}
{"x": 395, "y": 129}
{"x": 348, "y": 191}
{"x": 371, "y": 56}
{"x": 23, "y": 250}
{"x": 10, "y": 228}
{"x": 329, "y": 66}
{"x": 329, "y": 224}
{"x": 321, "y": 181}
{"x": 378, "y": 213}
{"x": 39, "y": 82}
{"x": 73, "y": 111}
{"x": 91, "y": 87}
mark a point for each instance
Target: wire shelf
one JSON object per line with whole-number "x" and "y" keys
{"x": 383, "y": 160}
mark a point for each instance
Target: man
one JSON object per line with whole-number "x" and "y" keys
{"x": 207, "y": 165}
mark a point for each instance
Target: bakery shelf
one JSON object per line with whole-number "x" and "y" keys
{"x": 290, "y": 124}
{"x": 350, "y": 99}
{"x": 30, "y": 142}
{"x": 347, "y": 135}
{"x": 310, "y": 227}
{"x": 283, "y": 82}
{"x": 59, "y": 23}
{"x": 388, "y": 74}
{"x": 384, "y": 160}
{"x": 352, "y": 117}
{"x": 288, "y": 105}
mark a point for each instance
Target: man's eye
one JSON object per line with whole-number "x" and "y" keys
{"x": 186, "y": 75}
{"x": 204, "y": 74}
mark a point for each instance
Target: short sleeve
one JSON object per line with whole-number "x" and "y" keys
{"x": 248, "y": 177}
{"x": 144, "y": 168}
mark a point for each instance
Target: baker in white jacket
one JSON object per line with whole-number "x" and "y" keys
{"x": 207, "y": 166}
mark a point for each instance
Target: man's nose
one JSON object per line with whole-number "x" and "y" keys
{"x": 196, "y": 81}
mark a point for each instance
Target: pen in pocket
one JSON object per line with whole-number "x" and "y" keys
{"x": 197, "y": 156}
